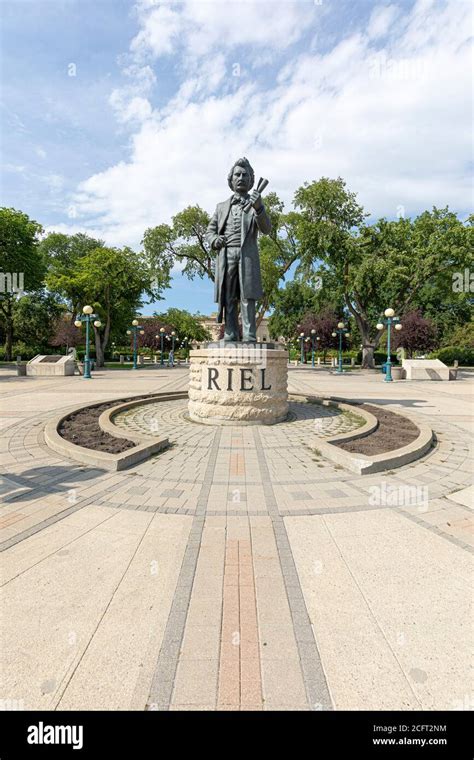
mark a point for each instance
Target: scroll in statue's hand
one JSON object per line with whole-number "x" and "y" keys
{"x": 255, "y": 199}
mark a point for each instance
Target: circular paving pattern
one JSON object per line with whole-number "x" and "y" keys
{"x": 170, "y": 418}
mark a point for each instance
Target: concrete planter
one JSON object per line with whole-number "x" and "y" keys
{"x": 145, "y": 445}
{"x": 363, "y": 464}
{"x": 397, "y": 373}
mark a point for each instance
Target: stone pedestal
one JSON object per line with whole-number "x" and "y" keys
{"x": 425, "y": 369}
{"x": 238, "y": 383}
{"x": 47, "y": 365}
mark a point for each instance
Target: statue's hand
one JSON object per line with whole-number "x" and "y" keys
{"x": 255, "y": 199}
{"x": 219, "y": 242}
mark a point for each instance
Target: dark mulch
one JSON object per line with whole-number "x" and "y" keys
{"x": 82, "y": 428}
{"x": 393, "y": 432}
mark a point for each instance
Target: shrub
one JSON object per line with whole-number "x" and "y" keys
{"x": 418, "y": 334}
{"x": 28, "y": 352}
{"x": 380, "y": 357}
{"x": 448, "y": 355}
{"x": 81, "y": 352}
{"x": 462, "y": 336}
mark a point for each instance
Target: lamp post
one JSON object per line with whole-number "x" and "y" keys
{"x": 302, "y": 347}
{"x": 313, "y": 339}
{"x": 389, "y": 321}
{"x": 135, "y": 329}
{"x": 162, "y": 336}
{"x": 87, "y": 316}
{"x": 171, "y": 353}
{"x": 185, "y": 346}
{"x": 340, "y": 330}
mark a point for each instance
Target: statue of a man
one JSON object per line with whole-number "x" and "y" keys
{"x": 232, "y": 233}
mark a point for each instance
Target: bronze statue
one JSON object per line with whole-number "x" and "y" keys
{"x": 232, "y": 233}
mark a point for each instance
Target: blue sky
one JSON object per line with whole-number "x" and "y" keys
{"x": 164, "y": 96}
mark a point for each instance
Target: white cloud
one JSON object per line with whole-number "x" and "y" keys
{"x": 129, "y": 108}
{"x": 393, "y": 121}
{"x": 14, "y": 168}
{"x": 55, "y": 182}
{"x": 381, "y": 20}
{"x": 160, "y": 31}
{"x": 200, "y": 27}
{"x": 128, "y": 101}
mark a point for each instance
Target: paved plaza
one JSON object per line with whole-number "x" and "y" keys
{"x": 238, "y": 569}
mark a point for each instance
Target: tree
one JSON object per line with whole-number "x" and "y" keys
{"x": 66, "y": 334}
{"x": 22, "y": 265}
{"x": 183, "y": 243}
{"x": 151, "y": 333}
{"x": 34, "y": 318}
{"x": 290, "y": 304}
{"x": 185, "y": 324}
{"x": 325, "y": 324}
{"x": 462, "y": 336}
{"x": 386, "y": 264}
{"x": 113, "y": 281}
{"x": 278, "y": 251}
{"x": 417, "y": 334}
{"x": 62, "y": 254}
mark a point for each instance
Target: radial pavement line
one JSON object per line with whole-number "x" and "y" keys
{"x": 161, "y": 689}
{"x": 317, "y": 691}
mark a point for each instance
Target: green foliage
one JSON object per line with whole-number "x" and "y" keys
{"x": 379, "y": 356}
{"x": 278, "y": 251}
{"x": 19, "y": 247}
{"x": 185, "y": 324}
{"x": 20, "y": 257}
{"x": 329, "y": 213}
{"x": 62, "y": 254}
{"x": 112, "y": 281}
{"x": 182, "y": 243}
{"x": 409, "y": 264}
{"x": 290, "y": 304}
{"x": 462, "y": 336}
{"x": 28, "y": 350}
{"x": 34, "y": 318}
{"x": 450, "y": 354}
{"x": 403, "y": 264}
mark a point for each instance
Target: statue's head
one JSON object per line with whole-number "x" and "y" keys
{"x": 241, "y": 177}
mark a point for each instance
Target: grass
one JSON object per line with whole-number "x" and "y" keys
{"x": 354, "y": 418}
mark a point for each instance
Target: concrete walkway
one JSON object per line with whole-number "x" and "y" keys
{"x": 237, "y": 569}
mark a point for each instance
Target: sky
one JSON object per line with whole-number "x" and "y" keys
{"x": 116, "y": 115}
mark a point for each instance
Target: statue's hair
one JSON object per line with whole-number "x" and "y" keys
{"x": 246, "y": 164}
